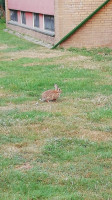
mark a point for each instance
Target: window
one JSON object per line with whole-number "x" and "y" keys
{"x": 36, "y": 20}
{"x": 49, "y": 22}
{"x": 14, "y": 15}
{"x": 23, "y": 17}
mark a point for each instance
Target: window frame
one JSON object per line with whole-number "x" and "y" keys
{"x": 23, "y": 12}
{"x": 34, "y": 20}
{"x": 46, "y": 29}
{"x": 15, "y": 19}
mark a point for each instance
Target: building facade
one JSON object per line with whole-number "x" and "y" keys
{"x": 51, "y": 20}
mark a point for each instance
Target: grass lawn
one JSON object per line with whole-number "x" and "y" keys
{"x": 58, "y": 150}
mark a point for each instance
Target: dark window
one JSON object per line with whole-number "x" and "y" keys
{"x": 36, "y": 20}
{"x": 49, "y": 22}
{"x": 13, "y": 15}
{"x": 23, "y": 16}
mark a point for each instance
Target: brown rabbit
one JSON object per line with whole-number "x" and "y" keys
{"x": 51, "y": 95}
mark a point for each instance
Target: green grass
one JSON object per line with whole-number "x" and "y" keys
{"x": 16, "y": 100}
{"x": 101, "y": 114}
{"x": 11, "y": 117}
{"x": 70, "y": 149}
{"x": 57, "y": 150}
{"x": 7, "y": 139}
{"x": 99, "y": 54}
{"x": 14, "y": 44}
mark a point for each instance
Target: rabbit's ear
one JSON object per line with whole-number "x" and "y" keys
{"x": 56, "y": 87}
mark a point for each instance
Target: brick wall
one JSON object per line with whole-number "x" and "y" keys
{"x": 7, "y": 12}
{"x": 32, "y": 33}
{"x": 96, "y": 32}
{"x": 68, "y": 14}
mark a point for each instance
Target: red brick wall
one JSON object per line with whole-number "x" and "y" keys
{"x": 96, "y": 32}
{"x": 68, "y": 14}
{"x": 32, "y": 33}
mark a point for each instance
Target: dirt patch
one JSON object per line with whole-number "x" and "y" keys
{"x": 67, "y": 60}
{"x": 87, "y": 65}
{"x": 21, "y": 107}
{"x": 63, "y": 57}
{"x": 101, "y": 100}
{"x": 4, "y": 93}
{"x": 33, "y": 148}
{"x": 34, "y": 105}
{"x": 9, "y": 150}
{"x": 24, "y": 167}
{"x": 21, "y": 131}
{"x": 2, "y": 74}
{"x": 3, "y": 46}
{"x": 34, "y": 54}
{"x": 7, "y": 107}
{"x": 96, "y": 136}
{"x": 32, "y": 64}
{"x": 77, "y": 58}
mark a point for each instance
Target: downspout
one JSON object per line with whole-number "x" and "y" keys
{"x": 80, "y": 25}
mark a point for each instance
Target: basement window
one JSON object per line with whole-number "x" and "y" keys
{"x": 49, "y": 22}
{"x": 14, "y": 15}
{"x": 36, "y": 20}
{"x": 23, "y": 17}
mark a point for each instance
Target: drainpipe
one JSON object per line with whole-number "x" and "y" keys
{"x": 80, "y": 25}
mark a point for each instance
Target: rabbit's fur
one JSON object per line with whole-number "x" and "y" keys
{"x": 51, "y": 95}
